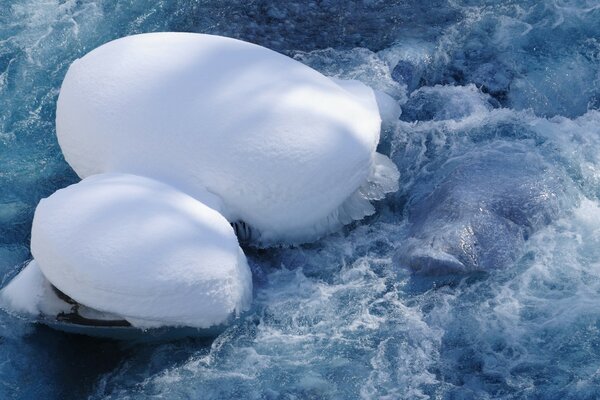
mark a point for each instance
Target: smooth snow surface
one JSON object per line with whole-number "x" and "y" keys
{"x": 142, "y": 250}
{"x": 283, "y": 146}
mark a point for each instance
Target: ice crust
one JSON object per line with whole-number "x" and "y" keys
{"x": 140, "y": 249}
{"x": 285, "y": 148}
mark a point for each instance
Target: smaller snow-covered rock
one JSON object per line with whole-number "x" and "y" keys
{"x": 141, "y": 250}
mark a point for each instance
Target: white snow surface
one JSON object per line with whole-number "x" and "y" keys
{"x": 140, "y": 249}
{"x": 287, "y": 150}
{"x": 29, "y": 294}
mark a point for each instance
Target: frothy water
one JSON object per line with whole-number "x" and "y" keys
{"x": 498, "y": 145}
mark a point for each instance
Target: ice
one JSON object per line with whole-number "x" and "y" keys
{"x": 139, "y": 249}
{"x": 285, "y": 148}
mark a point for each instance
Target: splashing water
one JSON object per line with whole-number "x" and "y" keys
{"x": 498, "y": 145}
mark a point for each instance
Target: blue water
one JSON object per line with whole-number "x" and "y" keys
{"x": 499, "y": 152}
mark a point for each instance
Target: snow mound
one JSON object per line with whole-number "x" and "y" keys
{"x": 142, "y": 250}
{"x": 285, "y": 148}
{"x": 30, "y": 294}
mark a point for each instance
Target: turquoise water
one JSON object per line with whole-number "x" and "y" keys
{"x": 498, "y": 147}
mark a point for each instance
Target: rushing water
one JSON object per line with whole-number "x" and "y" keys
{"x": 499, "y": 151}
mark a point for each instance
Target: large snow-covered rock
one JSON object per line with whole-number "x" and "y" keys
{"x": 139, "y": 249}
{"x": 290, "y": 152}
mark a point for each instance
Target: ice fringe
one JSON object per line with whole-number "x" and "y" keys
{"x": 382, "y": 179}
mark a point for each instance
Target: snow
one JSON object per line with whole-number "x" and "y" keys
{"x": 142, "y": 250}
{"x": 30, "y": 294}
{"x": 285, "y": 148}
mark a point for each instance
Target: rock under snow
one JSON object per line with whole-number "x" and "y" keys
{"x": 139, "y": 249}
{"x": 290, "y": 152}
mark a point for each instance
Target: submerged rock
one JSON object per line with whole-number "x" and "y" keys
{"x": 483, "y": 208}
